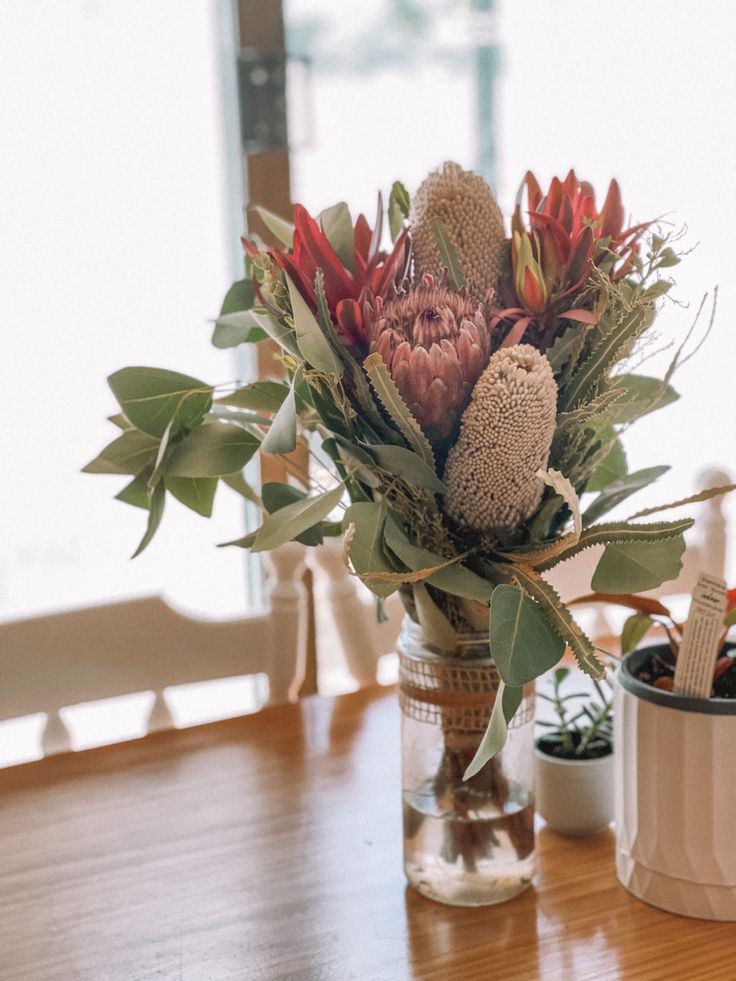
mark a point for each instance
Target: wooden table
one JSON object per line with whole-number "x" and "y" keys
{"x": 269, "y": 847}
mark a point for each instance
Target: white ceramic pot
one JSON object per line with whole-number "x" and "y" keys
{"x": 575, "y": 797}
{"x": 675, "y": 794}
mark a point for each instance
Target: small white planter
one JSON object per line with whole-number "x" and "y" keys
{"x": 575, "y": 797}
{"x": 675, "y": 792}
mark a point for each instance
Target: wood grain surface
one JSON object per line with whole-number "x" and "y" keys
{"x": 269, "y": 847}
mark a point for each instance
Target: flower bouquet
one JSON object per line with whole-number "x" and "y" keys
{"x": 459, "y": 390}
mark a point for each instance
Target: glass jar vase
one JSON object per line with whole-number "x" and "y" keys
{"x": 466, "y": 843}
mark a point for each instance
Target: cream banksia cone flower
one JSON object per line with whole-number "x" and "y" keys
{"x": 435, "y": 344}
{"x": 466, "y": 206}
{"x": 505, "y": 438}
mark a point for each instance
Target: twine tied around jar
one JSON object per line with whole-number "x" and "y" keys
{"x": 457, "y": 693}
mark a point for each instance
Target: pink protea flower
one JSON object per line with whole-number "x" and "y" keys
{"x": 436, "y": 344}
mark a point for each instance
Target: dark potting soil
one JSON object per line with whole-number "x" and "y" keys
{"x": 658, "y": 670}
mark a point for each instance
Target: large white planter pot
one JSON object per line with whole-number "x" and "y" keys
{"x": 575, "y": 797}
{"x": 675, "y": 797}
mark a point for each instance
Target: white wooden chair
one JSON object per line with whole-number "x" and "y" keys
{"x": 50, "y": 662}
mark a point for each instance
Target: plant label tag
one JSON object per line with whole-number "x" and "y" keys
{"x": 701, "y": 638}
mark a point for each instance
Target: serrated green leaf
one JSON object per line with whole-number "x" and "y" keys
{"x": 606, "y": 353}
{"x": 566, "y": 350}
{"x": 128, "y": 454}
{"x": 337, "y": 225}
{"x": 387, "y": 392}
{"x": 196, "y": 493}
{"x": 505, "y": 706}
{"x": 634, "y": 630}
{"x": 240, "y": 327}
{"x": 407, "y": 465}
{"x": 601, "y": 409}
{"x": 152, "y": 397}
{"x": 621, "y": 533}
{"x": 560, "y": 619}
{"x": 523, "y": 644}
{"x": 704, "y": 495}
{"x": 448, "y": 254}
{"x": 281, "y": 435}
{"x": 314, "y": 346}
{"x": 633, "y": 567}
{"x": 282, "y": 229}
{"x": 284, "y": 525}
{"x": 619, "y": 490}
{"x": 211, "y": 450}
{"x": 155, "y": 513}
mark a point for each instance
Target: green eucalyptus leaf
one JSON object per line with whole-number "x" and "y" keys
{"x": 454, "y": 579}
{"x": 130, "y": 453}
{"x": 407, "y": 465}
{"x": 633, "y": 567}
{"x": 619, "y": 490}
{"x": 137, "y": 492}
{"x": 279, "y": 227}
{"x": 245, "y": 542}
{"x": 389, "y": 396}
{"x": 152, "y": 397}
{"x": 155, "y": 513}
{"x": 263, "y": 396}
{"x": 337, "y": 225}
{"x": 211, "y": 450}
{"x": 240, "y": 327}
{"x": 276, "y": 496}
{"x": 240, "y": 296}
{"x": 238, "y": 483}
{"x": 523, "y": 643}
{"x": 439, "y": 634}
{"x": 281, "y": 436}
{"x": 196, "y": 493}
{"x": 643, "y": 395}
{"x": 121, "y": 422}
{"x": 314, "y": 346}
{"x": 367, "y": 552}
{"x": 508, "y": 700}
{"x": 448, "y": 254}
{"x": 399, "y": 206}
{"x": 635, "y": 629}
{"x": 289, "y": 522}
{"x": 610, "y": 469}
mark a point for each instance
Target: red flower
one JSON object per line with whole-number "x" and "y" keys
{"x": 730, "y": 599}
{"x": 373, "y": 273}
{"x": 552, "y": 257}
